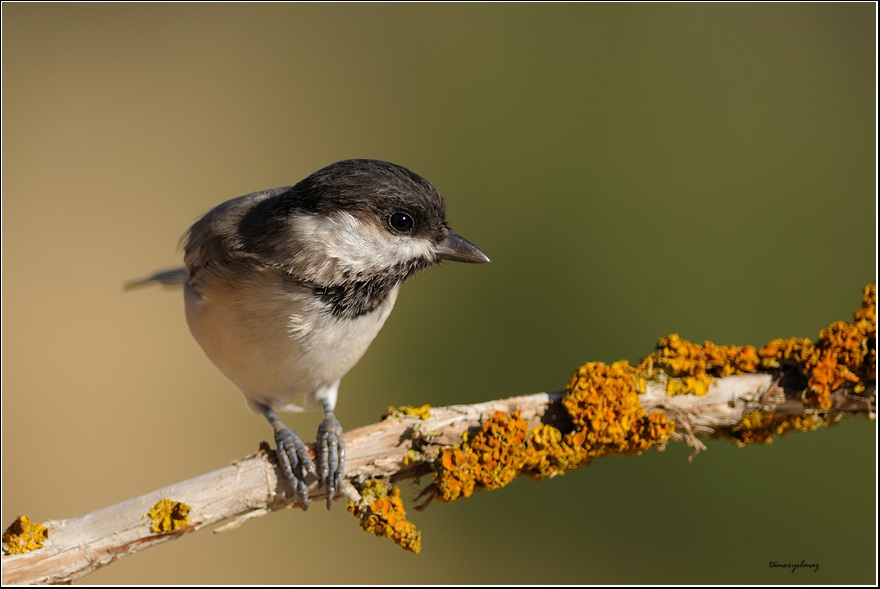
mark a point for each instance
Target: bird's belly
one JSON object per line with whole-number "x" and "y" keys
{"x": 271, "y": 352}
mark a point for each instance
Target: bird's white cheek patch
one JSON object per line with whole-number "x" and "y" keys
{"x": 354, "y": 246}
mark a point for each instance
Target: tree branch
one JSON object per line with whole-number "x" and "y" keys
{"x": 253, "y": 486}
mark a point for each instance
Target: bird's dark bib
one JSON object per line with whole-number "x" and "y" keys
{"x": 359, "y": 297}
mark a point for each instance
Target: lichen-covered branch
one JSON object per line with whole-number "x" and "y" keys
{"x": 681, "y": 392}
{"x": 250, "y": 487}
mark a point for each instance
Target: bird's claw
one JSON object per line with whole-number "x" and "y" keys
{"x": 330, "y": 454}
{"x": 296, "y": 463}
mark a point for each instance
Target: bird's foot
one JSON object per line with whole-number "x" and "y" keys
{"x": 295, "y": 461}
{"x": 293, "y": 457}
{"x": 330, "y": 455}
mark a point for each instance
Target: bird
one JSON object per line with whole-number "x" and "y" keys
{"x": 286, "y": 288}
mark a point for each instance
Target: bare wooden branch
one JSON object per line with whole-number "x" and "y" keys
{"x": 252, "y": 486}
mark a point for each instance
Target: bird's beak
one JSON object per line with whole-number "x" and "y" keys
{"x": 458, "y": 249}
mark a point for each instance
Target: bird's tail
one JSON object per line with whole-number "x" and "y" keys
{"x": 171, "y": 277}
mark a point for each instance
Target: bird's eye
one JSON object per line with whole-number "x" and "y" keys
{"x": 401, "y": 222}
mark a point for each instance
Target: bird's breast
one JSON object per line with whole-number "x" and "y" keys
{"x": 279, "y": 345}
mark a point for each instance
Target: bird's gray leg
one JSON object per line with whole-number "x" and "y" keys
{"x": 293, "y": 456}
{"x": 330, "y": 452}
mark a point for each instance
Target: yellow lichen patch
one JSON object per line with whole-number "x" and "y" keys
{"x": 696, "y": 385}
{"x": 491, "y": 458}
{"x": 867, "y": 315}
{"x": 500, "y": 444}
{"x": 694, "y": 365}
{"x": 24, "y": 536}
{"x": 553, "y": 453}
{"x": 413, "y": 457}
{"x": 658, "y": 428}
{"x": 760, "y": 427}
{"x": 607, "y": 415}
{"x": 794, "y": 350}
{"x": 843, "y": 354}
{"x": 168, "y": 516}
{"x": 381, "y": 512}
{"x": 404, "y": 411}
{"x": 453, "y": 474}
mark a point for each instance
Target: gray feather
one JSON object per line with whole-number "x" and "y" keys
{"x": 171, "y": 277}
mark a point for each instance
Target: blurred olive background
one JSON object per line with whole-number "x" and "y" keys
{"x": 631, "y": 169}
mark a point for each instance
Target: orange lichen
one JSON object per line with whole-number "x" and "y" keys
{"x": 500, "y": 446}
{"x": 24, "y": 536}
{"x": 554, "y": 453}
{"x": 760, "y": 427}
{"x": 779, "y": 352}
{"x": 844, "y": 353}
{"x": 606, "y": 417}
{"x": 605, "y": 409}
{"x": 454, "y": 473}
{"x": 168, "y": 516}
{"x": 491, "y": 458}
{"x": 691, "y": 367}
{"x": 381, "y": 512}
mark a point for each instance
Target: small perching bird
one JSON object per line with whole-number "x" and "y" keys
{"x": 286, "y": 288}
